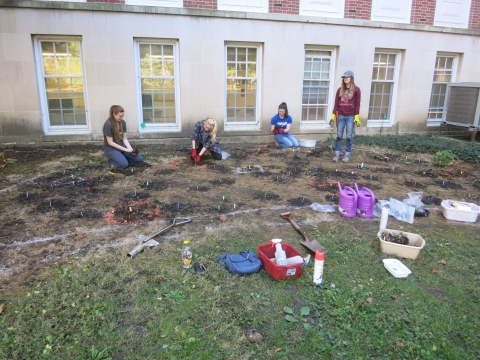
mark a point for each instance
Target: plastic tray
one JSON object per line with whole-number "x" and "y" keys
{"x": 410, "y": 251}
{"x": 396, "y": 268}
{"x": 279, "y": 272}
{"x": 307, "y": 143}
{"x": 460, "y": 211}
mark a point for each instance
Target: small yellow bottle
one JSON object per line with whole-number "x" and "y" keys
{"x": 186, "y": 255}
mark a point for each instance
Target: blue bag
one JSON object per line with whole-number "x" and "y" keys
{"x": 244, "y": 263}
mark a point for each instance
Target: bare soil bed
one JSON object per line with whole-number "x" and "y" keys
{"x": 62, "y": 201}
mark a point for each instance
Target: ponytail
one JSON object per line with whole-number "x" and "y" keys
{"x": 213, "y": 123}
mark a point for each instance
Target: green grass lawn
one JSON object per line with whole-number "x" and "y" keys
{"x": 106, "y": 306}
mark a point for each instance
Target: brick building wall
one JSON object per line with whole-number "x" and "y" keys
{"x": 358, "y": 9}
{"x": 474, "y": 20}
{"x": 200, "y": 4}
{"x": 423, "y": 12}
{"x": 284, "y": 6}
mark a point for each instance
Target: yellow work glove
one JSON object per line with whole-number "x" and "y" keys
{"x": 357, "y": 121}
{"x": 332, "y": 118}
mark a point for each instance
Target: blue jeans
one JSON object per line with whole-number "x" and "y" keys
{"x": 344, "y": 123}
{"x": 119, "y": 158}
{"x": 285, "y": 140}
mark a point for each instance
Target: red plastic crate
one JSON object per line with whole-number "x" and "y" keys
{"x": 279, "y": 272}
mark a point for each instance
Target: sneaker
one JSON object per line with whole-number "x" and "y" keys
{"x": 336, "y": 157}
{"x": 346, "y": 158}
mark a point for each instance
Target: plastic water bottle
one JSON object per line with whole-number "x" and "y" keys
{"x": 384, "y": 218}
{"x": 297, "y": 259}
{"x": 186, "y": 255}
{"x": 280, "y": 255}
{"x": 318, "y": 267}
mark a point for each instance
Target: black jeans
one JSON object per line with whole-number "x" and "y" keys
{"x": 215, "y": 155}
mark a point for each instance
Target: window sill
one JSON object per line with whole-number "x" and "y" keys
{"x": 242, "y": 127}
{"x": 157, "y": 128}
{"x": 379, "y": 124}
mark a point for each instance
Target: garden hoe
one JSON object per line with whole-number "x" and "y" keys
{"x": 149, "y": 242}
{"x": 313, "y": 245}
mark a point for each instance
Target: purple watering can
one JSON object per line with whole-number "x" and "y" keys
{"x": 347, "y": 205}
{"x": 365, "y": 203}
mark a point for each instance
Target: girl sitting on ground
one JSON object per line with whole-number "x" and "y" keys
{"x": 204, "y": 137}
{"x": 281, "y": 126}
{"x": 116, "y": 146}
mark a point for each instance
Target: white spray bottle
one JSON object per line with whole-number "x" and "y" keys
{"x": 318, "y": 267}
{"x": 280, "y": 255}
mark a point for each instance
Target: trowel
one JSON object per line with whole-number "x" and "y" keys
{"x": 313, "y": 245}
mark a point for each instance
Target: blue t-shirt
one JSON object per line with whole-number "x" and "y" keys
{"x": 281, "y": 123}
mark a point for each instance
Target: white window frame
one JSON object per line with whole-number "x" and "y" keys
{"x": 324, "y": 8}
{"x": 163, "y": 3}
{"x": 56, "y": 129}
{"x": 320, "y": 124}
{"x": 258, "y": 6}
{"x": 156, "y": 127}
{"x": 389, "y": 121}
{"x": 447, "y": 15}
{"x": 397, "y": 11}
{"x": 244, "y": 125}
{"x": 438, "y": 121}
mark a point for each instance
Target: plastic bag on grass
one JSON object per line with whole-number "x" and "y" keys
{"x": 322, "y": 208}
{"x": 225, "y": 155}
{"x": 415, "y": 200}
{"x": 401, "y": 211}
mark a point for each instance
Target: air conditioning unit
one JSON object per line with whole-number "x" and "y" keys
{"x": 463, "y": 106}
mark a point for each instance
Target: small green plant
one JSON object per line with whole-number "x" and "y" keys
{"x": 444, "y": 158}
{"x": 95, "y": 354}
{"x": 304, "y": 312}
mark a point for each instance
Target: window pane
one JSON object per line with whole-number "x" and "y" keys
{"x": 252, "y": 55}
{"x": 155, "y": 52}
{"x": 169, "y": 99}
{"x": 242, "y": 54}
{"x": 231, "y": 54}
{"x": 51, "y": 84}
{"x": 68, "y": 117}
{"x": 80, "y": 117}
{"x": 157, "y": 68}
{"x": 169, "y": 68}
{"x": 55, "y": 117}
{"x": 144, "y": 51}
{"x": 158, "y": 100}
{"x": 77, "y": 85}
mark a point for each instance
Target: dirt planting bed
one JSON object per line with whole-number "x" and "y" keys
{"x": 62, "y": 201}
